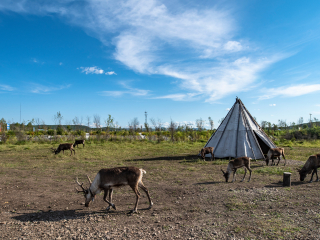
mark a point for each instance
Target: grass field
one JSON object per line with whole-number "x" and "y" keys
{"x": 190, "y": 195}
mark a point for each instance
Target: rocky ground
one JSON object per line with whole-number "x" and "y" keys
{"x": 190, "y": 202}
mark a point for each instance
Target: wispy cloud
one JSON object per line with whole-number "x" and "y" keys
{"x": 292, "y": 91}
{"x": 129, "y": 91}
{"x": 41, "y": 89}
{"x": 179, "y": 97}
{"x": 91, "y": 70}
{"x": 272, "y": 105}
{"x": 149, "y": 38}
{"x": 111, "y": 73}
{"x": 95, "y": 70}
{"x": 6, "y": 88}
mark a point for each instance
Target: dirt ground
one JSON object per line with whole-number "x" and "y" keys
{"x": 190, "y": 202}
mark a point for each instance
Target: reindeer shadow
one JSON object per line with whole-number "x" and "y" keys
{"x": 168, "y": 158}
{"x": 280, "y": 184}
{"x": 56, "y": 216}
{"x": 206, "y": 183}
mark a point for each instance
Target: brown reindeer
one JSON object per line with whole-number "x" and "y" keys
{"x": 78, "y": 142}
{"x": 107, "y": 179}
{"x": 234, "y": 165}
{"x": 64, "y": 146}
{"x": 205, "y": 151}
{"x": 312, "y": 163}
{"x": 275, "y": 153}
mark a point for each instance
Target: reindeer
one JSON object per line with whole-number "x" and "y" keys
{"x": 275, "y": 152}
{"x": 234, "y": 165}
{"x": 78, "y": 142}
{"x": 64, "y": 146}
{"x": 205, "y": 151}
{"x": 312, "y": 163}
{"x": 107, "y": 179}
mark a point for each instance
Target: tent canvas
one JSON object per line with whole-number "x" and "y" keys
{"x": 239, "y": 135}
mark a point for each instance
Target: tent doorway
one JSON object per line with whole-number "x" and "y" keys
{"x": 264, "y": 147}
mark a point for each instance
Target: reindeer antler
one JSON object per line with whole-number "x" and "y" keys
{"x": 89, "y": 179}
{"x": 81, "y": 185}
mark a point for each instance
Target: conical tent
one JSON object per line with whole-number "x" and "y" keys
{"x": 239, "y": 135}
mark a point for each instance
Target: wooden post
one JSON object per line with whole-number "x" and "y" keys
{"x": 287, "y": 179}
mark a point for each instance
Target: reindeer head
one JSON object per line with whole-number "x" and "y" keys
{"x": 87, "y": 192}
{"x": 303, "y": 174}
{"x": 226, "y": 175}
{"x": 55, "y": 150}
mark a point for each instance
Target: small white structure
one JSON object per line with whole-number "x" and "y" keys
{"x": 87, "y": 136}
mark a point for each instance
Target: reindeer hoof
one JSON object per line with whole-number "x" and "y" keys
{"x": 133, "y": 211}
{"x": 114, "y": 206}
{"x": 317, "y": 180}
{"x": 310, "y": 181}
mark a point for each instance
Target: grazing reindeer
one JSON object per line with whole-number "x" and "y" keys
{"x": 312, "y": 163}
{"x": 234, "y": 165}
{"x": 64, "y": 146}
{"x": 107, "y": 179}
{"x": 275, "y": 153}
{"x": 205, "y": 151}
{"x": 78, "y": 142}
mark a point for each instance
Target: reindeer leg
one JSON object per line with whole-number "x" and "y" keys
{"x": 136, "y": 191}
{"x": 147, "y": 192}
{"x": 106, "y": 191}
{"x": 312, "y": 175}
{"x": 245, "y": 172}
{"x": 234, "y": 175}
{"x": 317, "y": 175}
{"x": 285, "y": 161}
{"x": 250, "y": 174}
{"x": 278, "y": 161}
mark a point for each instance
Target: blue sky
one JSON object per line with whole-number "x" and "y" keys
{"x": 179, "y": 60}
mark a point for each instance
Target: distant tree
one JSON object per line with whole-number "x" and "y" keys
{"x": 172, "y": 128}
{"x": 109, "y": 123}
{"x": 135, "y": 124}
{"x": 220, "y": 120}
{"x": 75, "y": 122}
{"x": 211, "y": 123}
{"x": 263, "y": 124}
{"x": 96, "y": 121}
{"x": 88, "y": 122}
{"x": 58, "y": 118}
{"x": 200, "y": 124}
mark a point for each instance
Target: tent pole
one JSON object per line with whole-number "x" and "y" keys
{"x": 246, "y": 123}
{"x": 254, "y": 137}
{"x": 238, "y": 128}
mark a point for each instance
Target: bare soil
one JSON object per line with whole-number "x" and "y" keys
{"x": 191, "y": 201}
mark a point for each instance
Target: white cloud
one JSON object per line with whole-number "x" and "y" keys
{"x": 111, "y": 73}
{"x": 179, "y": 97}
{"x": 232, "y": 46}
{"x": 149, "y": 38}
{"x": 272, "y": 105}
{"x": 130, "y": 91}
{"x": 60, "y": 63}
{"x": 292, "y": 91}
{"x": 228, "y": 109}
{"x": 6, "y": 88}
{"x": 91, "y": 70}
{"x": 41, "y": 89}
